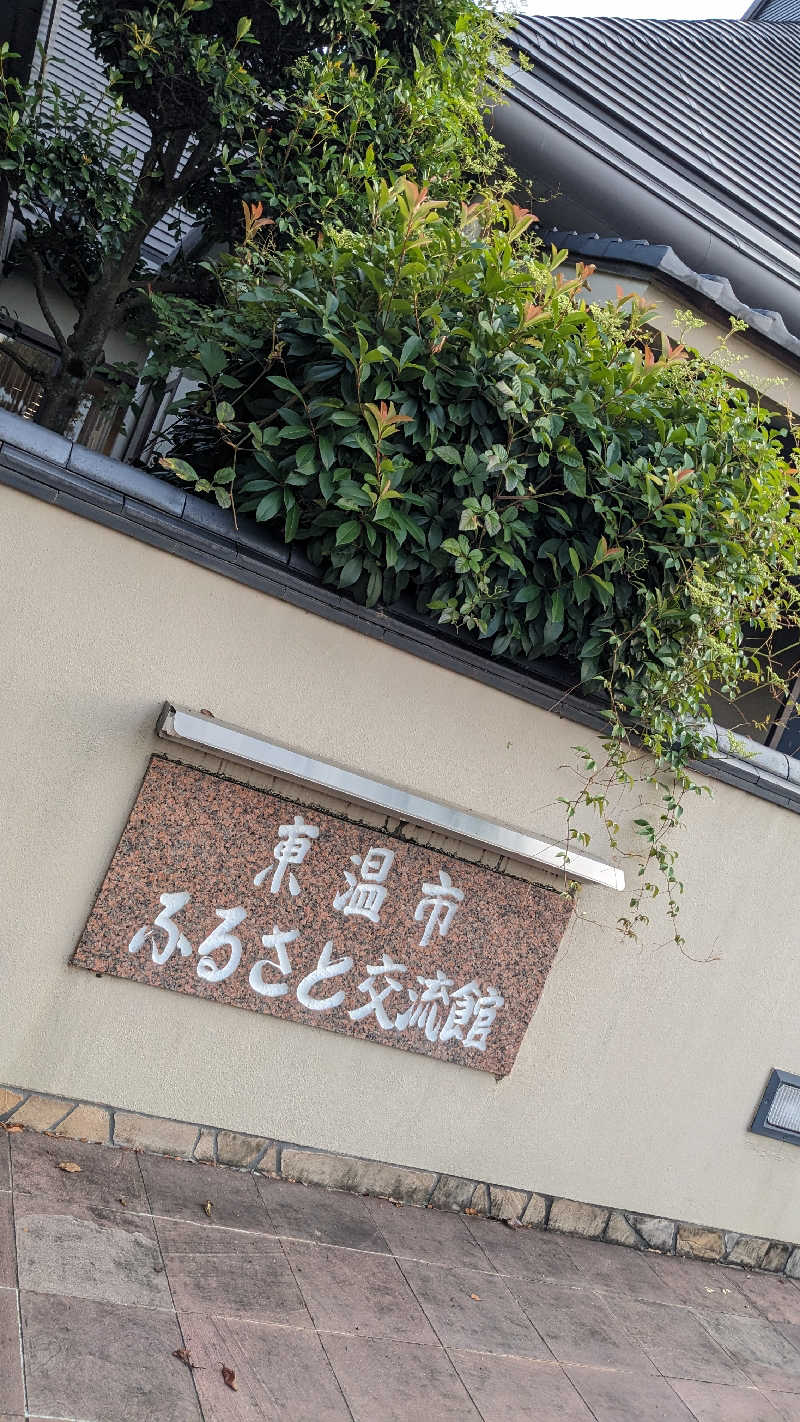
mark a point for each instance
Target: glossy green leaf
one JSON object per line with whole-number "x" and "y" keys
{"x": 347, "y": 532}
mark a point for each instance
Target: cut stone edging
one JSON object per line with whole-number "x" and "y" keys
{"x": 88, "y": 1121}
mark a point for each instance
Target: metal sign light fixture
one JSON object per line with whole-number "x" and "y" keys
{"x": 778, "y": 1112}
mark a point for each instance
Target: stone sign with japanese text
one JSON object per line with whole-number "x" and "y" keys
{"x": 229, "y": 892}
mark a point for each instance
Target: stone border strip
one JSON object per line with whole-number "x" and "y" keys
{"x": 88, "y": 1121}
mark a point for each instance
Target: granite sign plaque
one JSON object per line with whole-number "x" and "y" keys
{"x": 228, "y": 892}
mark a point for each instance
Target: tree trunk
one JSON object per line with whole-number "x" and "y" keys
{"x": 84, "y": 347}
{"x": 61, "y": 402}
{"x": 68, "y": 387}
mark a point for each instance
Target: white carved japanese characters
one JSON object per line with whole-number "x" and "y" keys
{"x": 294, "y": 843}
{"x": 245, "y": 899}
{"x": 175, "y": 939}
{"x": 278, "y": 941}
{"x": 434, "y": 1005}
{"x": 365, "y": 896}
{"x": 440, "y": 903}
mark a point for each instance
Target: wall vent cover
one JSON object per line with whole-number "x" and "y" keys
{"x": 778, "y": 1111}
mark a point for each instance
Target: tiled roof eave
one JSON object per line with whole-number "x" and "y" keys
{"x": 661, "y": 261}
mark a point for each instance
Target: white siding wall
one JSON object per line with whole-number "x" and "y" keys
{"x": 72, "y": 64}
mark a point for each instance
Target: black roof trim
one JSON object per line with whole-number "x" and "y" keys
{"x": 663, "y": 261}
{"x": 21, "y": 28}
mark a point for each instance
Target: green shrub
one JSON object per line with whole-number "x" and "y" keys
{"x": 433, "y": 410}
{"x": 235, "y": 106}
{"x": 430, "y": 407}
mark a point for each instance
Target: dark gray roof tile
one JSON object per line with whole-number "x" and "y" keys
{"x": 666, "y": 262}
{"x": 714, "y": 99}
{"x": 127, "y": 480}
{"x": 774, "y": 12}
{"x": 45, "y": 472}
{"x": 253, "y": 538}
{"x": 209, "y": 517}
{"x": 33, "y": 438}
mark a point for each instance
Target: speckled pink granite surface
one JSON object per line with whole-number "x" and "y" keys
{"x": 465, "y": 995}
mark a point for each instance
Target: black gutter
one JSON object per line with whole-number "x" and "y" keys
{"x": 19, "y": 31}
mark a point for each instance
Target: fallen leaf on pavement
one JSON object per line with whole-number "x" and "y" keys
{"x": 183, "y": 1355}
{"x": 12, "y": 1127}
{"x": 70, "y": 1167}
{"x": 229, "y": 1378}
{"x": 207, "y": 1207}
{"x": 513, "y": 1224}
{"x": 123, "y": 1202}
{"x": 476, "y": 1297}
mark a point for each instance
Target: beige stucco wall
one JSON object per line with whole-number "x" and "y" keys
{"x": 637, "y": 1078}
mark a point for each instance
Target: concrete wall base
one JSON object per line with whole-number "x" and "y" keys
{"x": 21, "y": 1109}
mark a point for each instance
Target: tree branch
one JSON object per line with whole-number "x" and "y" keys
{"x": 196, "y": 168}
{"x": 21, "y": 217}
{"x": 149, "y": 162}
{"x": 44, "y": 304}
{"x": 152, "y": 281}
{"x": 171, "y": 156}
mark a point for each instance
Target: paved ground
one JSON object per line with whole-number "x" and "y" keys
{"x": 331, "y": 1308}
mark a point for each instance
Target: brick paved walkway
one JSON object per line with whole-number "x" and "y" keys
{"x": 329, "y": 1308}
